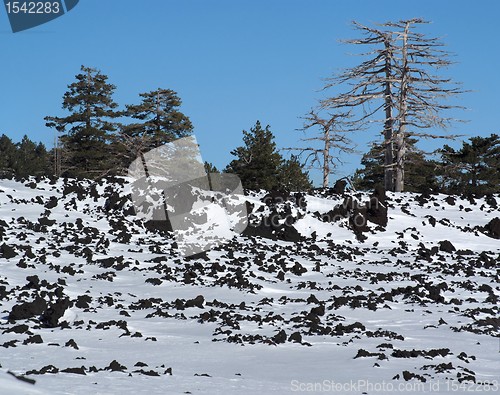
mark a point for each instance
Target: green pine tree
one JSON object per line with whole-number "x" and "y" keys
{"x": 7, "y": 156}
{"x": 372, "y": 172}
{"x": 87, "y": 131}
{"x": 292, "y": 176}
{"x": 421, "y": 173}
{"x": 474, "y": 168}
{"x": 259, "y": 164}
{"x": 157, "y": 121}
{"x": 31, "y": 159}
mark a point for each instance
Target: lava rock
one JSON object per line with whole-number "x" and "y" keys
{"x": 446, "y": 246}
{"x": 196, "y": 302}
{"x": 28, "y": 310}
{"x": 36, "y": 339}
{"x": 71, "y": 343}
{"x": 7, "y": 252}
{"x": 295, "y": 337}
{"x": 115, "y": 366}
{"x": 339, "y": 187}
{"x": 280, "y": 337}
{"x": 51, "y": 316}
{"x": 376, "y": 211}
{"x": 492, "y": 228}
{"x": 80, "y": 370}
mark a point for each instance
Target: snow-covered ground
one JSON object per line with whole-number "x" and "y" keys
{"x": 93, "y": 302}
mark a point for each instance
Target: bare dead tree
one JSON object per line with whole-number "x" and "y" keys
{"x": 422, "y": 94}
{"x": 370, "y": 83}
{"x": 332, "y": 136}
{"x": 397, "y": 79}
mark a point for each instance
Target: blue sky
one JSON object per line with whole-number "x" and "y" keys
{"x": 232, "y": 62}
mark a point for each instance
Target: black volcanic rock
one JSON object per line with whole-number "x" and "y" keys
{"x": 379, "y": 193}
{"x": 295, "y": 337}
{"x": 280, "y": 337}
{"x": 44, "y": 221}
{"x": 196, "y": 302}
{"x": 82, "y": 301}
{"x": 71, "y": 343}
{"x": 446, "y": 246}
{"x": 339, "y": 187}
{"x": 358, "y": 223}
{"x": 149, "y": 372}
{"x": 115, "y": 366}
{"x": 409, "y": 375}
{"x": 300, "y": 200}
{"x": 23, "y": 328}
{"x": 492, "y": 228}
{"x": 161, "y": 226}
{"x": 28, "y": 310}
{"x": 268, "y": 231}
{"x": 52, "y": 315}
{"x": 3, "y": 292}
{"x": 7, "y": 252}
{"x": 36, "y": 339}
{"x": 376, "y": 211}
{"x": 278, "y": 225}
{"x": 52, "y": 202}
{"x": 80, "y": 370}
{"x": 46, "y": 369}
{"x": 22, "y": 378}
{"x": 33, "y": 282}
{"x": 490, "y": 199}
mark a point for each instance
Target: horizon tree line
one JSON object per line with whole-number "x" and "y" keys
{"x": 395, "y": 86}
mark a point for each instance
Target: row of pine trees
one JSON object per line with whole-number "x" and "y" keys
{"x": 97, "y": 139}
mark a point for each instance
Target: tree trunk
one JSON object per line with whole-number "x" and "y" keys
{"x": 326, "y": 157}
{"x": 400, "y": 169}
{"x": 403, "y": 108}
{"x": 158, "y": 119}
{"x": 87, "y": 105}
{"x": 388, "y": 155}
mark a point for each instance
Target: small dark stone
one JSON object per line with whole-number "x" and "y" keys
{"x": 280, "y": 337}
{"x": 148, "y": 372}
{"x": 450, "y": 200}
{"x": 80, "y": 370}
{"x": 71, "y": 343}
{"x": 52, "y": 315}
{"x": 196, "y": 302}
{"x": 493, "y": 228}
{"x": 295, "y": 337}
{"x": 115, "y": 366}
{"x": 82, "y": 302}
{"x": 446, "y": 246}
{"x": 44, "y": 221}
{"x": 7, "y": 252}
{"x": 36, "y": 339}
{"x": 23, "y": 328}
{"x": 154, "y": 281}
